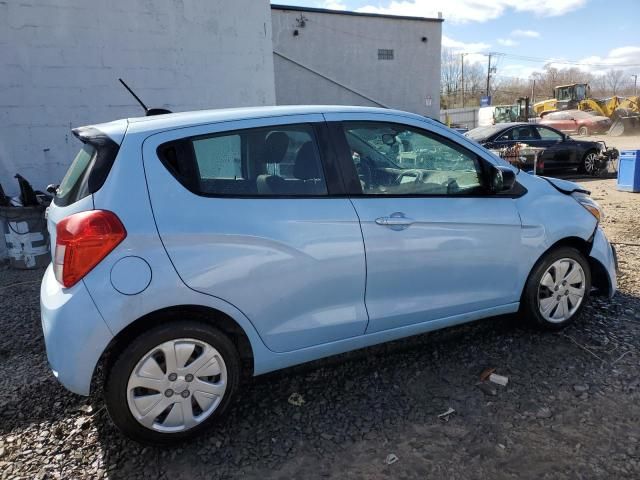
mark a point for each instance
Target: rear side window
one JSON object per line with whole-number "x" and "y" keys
{"x": 273, "y": 161}
{"x": 89, "y": 168}
{"x": 74, "y": 186}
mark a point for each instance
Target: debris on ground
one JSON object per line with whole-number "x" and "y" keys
{"x": 498, "y": 379}
{"x": 445, "y": 416}
{"x": 391, "y": 459}
{"x": 488, "y": 389}
{"x": 296, "y": 399}
{"x": 485, "y": 373}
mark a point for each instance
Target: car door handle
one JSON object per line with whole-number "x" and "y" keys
{"x": 395, "y": 220}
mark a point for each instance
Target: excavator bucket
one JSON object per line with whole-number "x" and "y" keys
{"x": 625, "y": 122}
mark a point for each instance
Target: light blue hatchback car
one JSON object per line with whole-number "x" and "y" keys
{"x": 191, "y": 246}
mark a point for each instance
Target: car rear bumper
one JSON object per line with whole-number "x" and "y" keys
{"x": 605, "y": 254}
{"x": 74, "y": 332}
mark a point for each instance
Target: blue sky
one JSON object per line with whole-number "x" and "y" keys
{"x": 597, "y": 33}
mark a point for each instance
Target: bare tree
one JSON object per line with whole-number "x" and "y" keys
{"x": 614, "y": 80}
{"x": 449, "y": 77}
{"x": 474, "y": 80}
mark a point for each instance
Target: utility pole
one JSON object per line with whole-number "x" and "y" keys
{"x": 462, "y": 59}
{"x": 533, "y": 92}
{"x": 488, "y": 73}
{"x": 635, "y": 87}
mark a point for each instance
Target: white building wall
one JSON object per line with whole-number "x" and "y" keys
{"x": 334, "y": 60}
{"x": 60, "y": 61}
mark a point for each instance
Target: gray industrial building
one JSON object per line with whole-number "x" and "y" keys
{"x": 337, "y": 57}
{"x": 60, "y": 61}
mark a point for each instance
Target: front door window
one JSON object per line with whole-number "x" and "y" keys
{"x": 393, "y": 159}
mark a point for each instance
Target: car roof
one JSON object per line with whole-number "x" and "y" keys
{"x": 156, "y": 123}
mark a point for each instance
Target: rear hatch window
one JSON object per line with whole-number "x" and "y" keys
{"x": 74, "y": 183}
{"x": 89, "y": 168}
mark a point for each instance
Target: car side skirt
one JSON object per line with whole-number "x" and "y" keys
{"x": 276, "y": 361}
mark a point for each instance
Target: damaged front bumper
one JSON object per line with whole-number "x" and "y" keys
{"x": 604, "y": 253}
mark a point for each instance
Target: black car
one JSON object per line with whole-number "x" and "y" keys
{"x": 560, "y": 151}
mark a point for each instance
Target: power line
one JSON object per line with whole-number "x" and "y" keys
{"x": 564, "y": 62}
{"x": 526, "y": 58}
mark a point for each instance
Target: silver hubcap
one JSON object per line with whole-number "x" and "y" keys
{"x": 561, "y": 290}
{"x": 590, "y": 162}
{"x": 177, "y": 385}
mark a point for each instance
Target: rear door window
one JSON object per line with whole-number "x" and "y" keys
{"x": 219, "y": 157}
{"x": 548, "y": 134}
{"x": 519, "y": 134}
{"x": 273, "y": 161}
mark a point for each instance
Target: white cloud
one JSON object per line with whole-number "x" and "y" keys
{"x": 459, "y": 47}
{"x": 463, "y": 11}
{"x": 619, "y": 59}
{"x": 473, "y": 51}
{"x": 334, "y": 5}
{"x": 516, "y": 70}
{"x": 525, "y": 33}
{"x": 507, "y": 42}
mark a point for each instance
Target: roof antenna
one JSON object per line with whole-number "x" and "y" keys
{"x": 148, "y": 111}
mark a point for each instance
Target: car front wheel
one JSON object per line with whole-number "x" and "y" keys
{"x": 171, "y": 382}
{"x": 557, "y": 289}
{"x": 589, "y": 163}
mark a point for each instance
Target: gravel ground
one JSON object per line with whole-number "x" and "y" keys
{"x": 571, "y": 408}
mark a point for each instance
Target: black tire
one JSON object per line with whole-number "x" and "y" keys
{"x": 583, "y": 168}
{"x": 115, "y": 388}
{"x": 583, "y": 131}
{"x": 529, "y": 305}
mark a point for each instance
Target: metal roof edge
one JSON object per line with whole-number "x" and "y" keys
{"x": 349, "y": 12}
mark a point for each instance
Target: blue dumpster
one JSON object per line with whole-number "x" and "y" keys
{"x": 629, "y": 171}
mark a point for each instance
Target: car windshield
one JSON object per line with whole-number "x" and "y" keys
{"x": 482, "y": 133}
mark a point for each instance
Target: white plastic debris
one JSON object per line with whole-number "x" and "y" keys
{"x": 445, "y": 416}
{"x": 499, "y": 379}
{"x": 391, "y": 459}
{"x": 296, "y": 399}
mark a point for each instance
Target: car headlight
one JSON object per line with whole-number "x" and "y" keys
{"x": 590, "y": 204}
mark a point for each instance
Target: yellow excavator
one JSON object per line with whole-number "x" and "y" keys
{"x": 624, "y": 112}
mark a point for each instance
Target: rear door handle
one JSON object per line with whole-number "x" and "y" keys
{"x": 396, "y": 219}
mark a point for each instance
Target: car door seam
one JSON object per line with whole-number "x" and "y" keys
{"x": 366, "y": 267}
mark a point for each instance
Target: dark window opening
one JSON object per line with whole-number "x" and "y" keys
{"x": 385, "y": 54}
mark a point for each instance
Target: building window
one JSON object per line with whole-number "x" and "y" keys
{"x": 385, "y": 54}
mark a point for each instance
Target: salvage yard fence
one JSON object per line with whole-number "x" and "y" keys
{"x": 465, "y": 117}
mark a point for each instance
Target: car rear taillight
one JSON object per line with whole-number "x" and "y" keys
{"x": 82, "y": 241}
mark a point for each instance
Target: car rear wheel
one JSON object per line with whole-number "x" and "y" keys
{"x": 583, "y": 131}
{"x": 171, "y": 382}
{"x": 557, "y": 289}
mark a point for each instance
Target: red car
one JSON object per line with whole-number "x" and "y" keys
{"x": 576, "y": 121}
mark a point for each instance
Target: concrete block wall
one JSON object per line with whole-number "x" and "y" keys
{"x": 60, "y": 61}
{"x": 329, "y": 57}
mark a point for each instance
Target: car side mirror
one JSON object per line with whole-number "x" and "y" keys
{"x": 502, "y": 179}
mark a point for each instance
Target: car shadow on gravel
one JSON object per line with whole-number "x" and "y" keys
{"x": 356, "y": 404}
